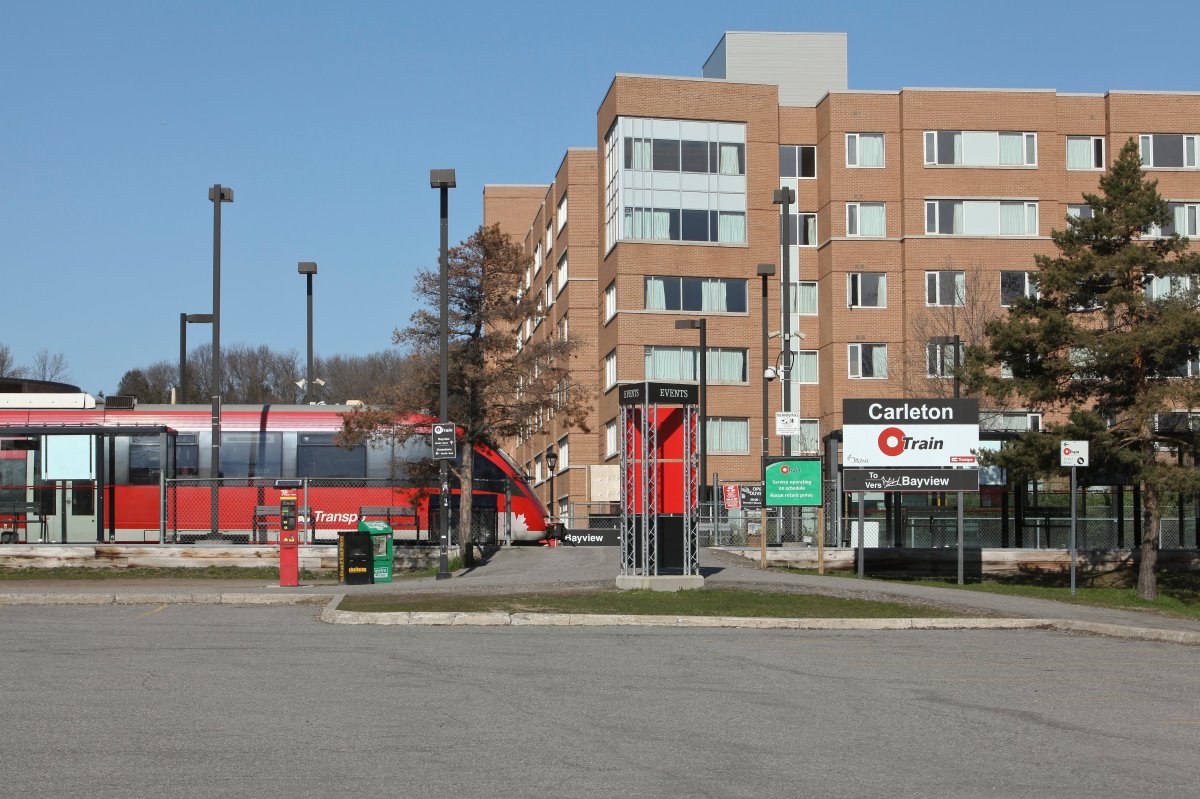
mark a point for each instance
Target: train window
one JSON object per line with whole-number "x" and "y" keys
{"x": 12, "y": 480}
{"x": 488, "y": 475}
{"x": 187, "y": 455}
{"x": 256, "y": 454}
{"x": 317, "y": 456}
{"x": 143, "y": 460}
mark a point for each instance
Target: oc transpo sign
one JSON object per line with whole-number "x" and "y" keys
{"x": 879, "y": 433}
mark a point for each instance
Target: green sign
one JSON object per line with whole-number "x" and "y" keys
{"x": 792, "y": 482}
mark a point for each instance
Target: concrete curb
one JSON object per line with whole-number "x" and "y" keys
{"x": 163, "y": 599}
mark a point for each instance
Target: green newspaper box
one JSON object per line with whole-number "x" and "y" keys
{"x": 381, "y": 549}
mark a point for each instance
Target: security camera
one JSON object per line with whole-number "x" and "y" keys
{"x": 769, "y": 373}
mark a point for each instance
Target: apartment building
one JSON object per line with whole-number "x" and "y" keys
{"x": 916, "y": 216}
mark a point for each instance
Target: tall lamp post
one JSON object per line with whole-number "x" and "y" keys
{"x": 308, "y": 269}
{"x": 184, "y": 319}
{"x": 702, "y": 326}
{"x": 764, "y": 271}
{"x": 443, "y": 181}
{"x": 785, "y": 197}
{"x": 551, "y": 467}
{"x": 218, "y": 194}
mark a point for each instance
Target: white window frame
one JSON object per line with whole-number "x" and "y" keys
{"x": 562, "y": 272}
{"x": 537, "y": 258}
{"x": 855, "y": 137}
{"x": 610, "y": 370}
{"x": 1092, "y": 150}
{"x": 564, "y": 460}
{"x": 796, "y": 371}
{"x": 610, "y": 439}
{"x": 816, "y": 295}
{"x": 549, "y": 236}
{"x": 610, "y": 301}
{"x": 1029, "y": 206}
{"x": 1030, "y": 290}
{"x": 1028, "y": 144}
{"x": 938, "y": 301}
{"x": 854, "y": 211}
{"x": 1076, "y": 210}
{"x": 852, "y": 277}
{"x": 709, "y": 438}
{"x": 796, "y": 148}
{"x": 854, "y": 354}
{"x": 938, "y": 353}
{"x": 562, "y": 212}
{"x": 1147, "y": 153}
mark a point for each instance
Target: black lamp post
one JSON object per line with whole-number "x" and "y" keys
{"x": 308, "y": 269}
{"x": 218, "y": 194}
{"x": 184, "y": 319}
{"x": 765, "y": 271}
{"x": 785, "y": 197}
{"x": 702, "y": 326}
{"x": 551, "y": 466}
{"x": 443, "y": 181}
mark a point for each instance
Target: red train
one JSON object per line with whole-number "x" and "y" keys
{"x": 73, "y": 470}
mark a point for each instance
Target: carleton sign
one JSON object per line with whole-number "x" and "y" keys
{"x": 879, "y": 433}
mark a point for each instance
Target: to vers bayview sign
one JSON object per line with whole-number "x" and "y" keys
{"x": 881, "y": 433}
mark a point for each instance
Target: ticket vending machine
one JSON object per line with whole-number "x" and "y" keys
{"x": 289, "y": 550}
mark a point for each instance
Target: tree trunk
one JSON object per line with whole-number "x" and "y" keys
{"x": 1147, "y": 585}
{"x": 466, "y": 505}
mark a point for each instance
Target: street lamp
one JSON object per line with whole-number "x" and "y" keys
{"x": 443, "y": 181}
{"x": 184, "y": 319}
{"x": 218, "y": 194}
{"x": 702, "y": 326}
{"x": 764, "y": 271}
{"x": 551, "y": 466}
{"x": 308, "y": 269}
{"x": 784, "y": 197}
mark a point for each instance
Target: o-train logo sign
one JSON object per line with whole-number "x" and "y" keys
{"x": 890, "y": 432}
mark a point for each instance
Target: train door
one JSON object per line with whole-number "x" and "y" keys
{"x": 66, "y": 488}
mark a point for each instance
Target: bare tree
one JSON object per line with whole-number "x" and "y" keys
{"x": 8, "y": 365}
{"x": 49, "y": 366}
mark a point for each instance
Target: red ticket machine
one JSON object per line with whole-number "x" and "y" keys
{"x": 289, "y": 551}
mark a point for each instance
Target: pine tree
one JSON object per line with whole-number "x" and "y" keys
{"x": 1111, "y": 339}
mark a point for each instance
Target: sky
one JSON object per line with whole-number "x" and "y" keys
{"x": 325, "y": 118}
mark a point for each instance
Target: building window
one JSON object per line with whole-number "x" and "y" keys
{"x": 940, "y": 359}
{"x": 610, "y": 301}
{"x": 981, "y": 217}
{"x": 610, "y": 370}
{"x": 804, "y": 298}
{"x": 1014, "y": 285}
{"x": 866, "y": 290}
{"x": 1079, "y": 211}
{"x": 1168, "y": 150}
{"x": 865, "y": 219}
{"x": 706, "y": 294}
{"x": 727, "y": 435}
{"x": 806, "y": 367}
{"x": 1183, "y": 221}
{"x": 669, "y": 224}
{"x": 980, "y": 148}
{"x": 562, "y": 212}
{"x": 564, "y": 459}
{"x": 864, "y": 149}
{"x": 1162, "y": 288}
{"x": 867, "y": 361}
{"x": 808, "y": 440}
{"x": 1014, "y": 421}
{"x": 610, "y": 438}
{"x": 803, "y": 230}
{"x": 562, "y": 271}
{"x": 945, "y": 287}
{"x": 797, "y": 161}
{"x": 725, "y": 364}
{"x": 549, "y": 237}
{"x": 537, "y": 258}
{"x": 537, "y": 469}
{"x": 1085, "y": 152}
{"x": 562, "y": 328}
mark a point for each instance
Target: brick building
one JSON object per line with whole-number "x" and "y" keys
{"x": 917, "y": 214}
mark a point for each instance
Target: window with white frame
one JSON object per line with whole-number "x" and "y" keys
{"x": 676, "y": 180}
{"x": 797, "y": 161}
{"x": 803, "y": 230}
{"x": 549, "y": 236}
{"x": 980, "y": 148}
{"x": 1168, "y": 150}
{"x": 945, "y": 287}
{"x": 562, "y": 212}
{"x": 562, "y": 328}
{"x": 808, "y": 440}
{"x": 804, "y": 298}
{"x": 610, "y": 301}
{"x": 727, "y": 434}
{"x": 981, "y": 217}
{"x": 1079, "y": 211}
{"x": 864, "y": 150}
{"x": 1189, "y": 368}
{"x": 1012, "y": 421}
{"x": 1014, "y": 285}
{"x": 1168, "y": 287}
{"x": 562, "y": 271}
{"x": 865, "y": 219}
{"x": 549, "y": 290}
{"x": 610, "y": 438}
{"x": 867, "y": 361}
{"x": 564, "y": 458}
{"x": 1183, "y": 221}
{"x": 866, "y": 290}
{"x": 1085, "y": 152}
{"x": 537, "y": 258}
{"x": 941, "y": 359}
{"x": 537, "y": 469}
{"x": 725, "y": 364}
{"x": 806, "y": 367}
{"x": 610, "y": 370}
{"x": 707, "y": 294}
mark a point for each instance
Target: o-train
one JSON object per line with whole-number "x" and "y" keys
{"x": 73, "y": 470}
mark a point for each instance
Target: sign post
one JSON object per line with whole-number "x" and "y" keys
{"x": 1073, "y": 454}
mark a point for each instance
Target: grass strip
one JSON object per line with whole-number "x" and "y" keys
{"x": 706, "y": 602}
{"x": 262, "y": 573}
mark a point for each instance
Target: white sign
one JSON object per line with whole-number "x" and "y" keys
{"x": 1073, "y": 453}
{"x": 787, "y": 423}
{"x": 904, "y": 444}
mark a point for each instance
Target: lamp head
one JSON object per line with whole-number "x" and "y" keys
{"x": 766, "y": 270}
{"x": 441, "y": 179}
{"x": 551, "y": 459}
{"x": 307, "y": 267}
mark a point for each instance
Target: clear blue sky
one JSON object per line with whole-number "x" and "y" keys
{"x": 326, "y": 117}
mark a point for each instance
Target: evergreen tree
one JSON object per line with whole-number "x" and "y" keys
{"x": 1111, "y": 339}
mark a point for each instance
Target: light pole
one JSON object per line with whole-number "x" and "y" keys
{"x": 764, "y": 271}
{"x": 443, "y": 181}
{"x": 702, "y": 326}
{"x": 551, "y": 466}
{"x": 785, "y": 197}
{"x": 218, "y": 194}
{"x": 308, "y": 269}
{"x": 184, "y": 319}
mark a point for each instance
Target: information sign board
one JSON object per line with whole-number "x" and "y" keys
{"x": 1073, "y": 453}
{"x": 792, "y": 482}
{"x": 444, "y": 445}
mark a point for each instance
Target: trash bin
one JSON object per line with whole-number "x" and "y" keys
{"x": 381, "y": 549}
{"x": 355, "y": 560}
